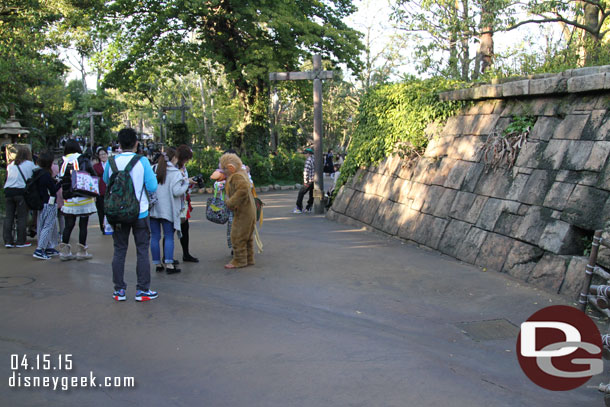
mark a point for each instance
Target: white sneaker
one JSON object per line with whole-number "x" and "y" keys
{"x": 297, "y": 210}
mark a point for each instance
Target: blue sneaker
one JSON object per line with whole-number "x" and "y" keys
{"x": 119, "y": 295}
{"x": 146, "y": 295}
{"x": 51, "y": 252}
{"x": 40, "y": 254}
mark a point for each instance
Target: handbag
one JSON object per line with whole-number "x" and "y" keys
{"x": 85, "y": 184}
{"x": 217, "y": 210}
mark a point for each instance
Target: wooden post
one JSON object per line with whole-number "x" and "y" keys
{"x": 316, "y": 75}
{"x": 91, "y": 128}
{"x": 318, "y": 189}
{"x": 90, "y": 115}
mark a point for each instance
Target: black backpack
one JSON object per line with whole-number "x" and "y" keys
{"x": 66, "y": 183}
{"x": 31, "y": 195}
{"x": 121, "y": 205}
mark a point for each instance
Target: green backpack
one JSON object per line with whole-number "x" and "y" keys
{"x": 121, "y": 205}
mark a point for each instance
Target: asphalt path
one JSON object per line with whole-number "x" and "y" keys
{"x": 330, "y": 315}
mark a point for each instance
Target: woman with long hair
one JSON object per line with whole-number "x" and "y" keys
{"x": 184, "y": 154}
{"x": 75, "y": 207}
{"x": 165, "y": 213}
{"x": 18, "y": 172}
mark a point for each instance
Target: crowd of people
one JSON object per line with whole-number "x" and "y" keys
{"x": 159, "y": 188}
{"x": 155, "y": 186}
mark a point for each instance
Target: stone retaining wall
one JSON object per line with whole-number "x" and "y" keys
{"x": 528, "y": 221}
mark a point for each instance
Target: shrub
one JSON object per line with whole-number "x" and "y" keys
{"x": 205, "y": 162}
{"x": 392, "y": 118}
{"x": 284, "y": 167}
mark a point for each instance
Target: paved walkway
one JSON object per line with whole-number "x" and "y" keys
{"x": 329, "y": 316}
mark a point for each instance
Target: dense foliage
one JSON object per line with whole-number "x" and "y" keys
{"x": 393, "y": 118}
{"x": 282, "y": 167}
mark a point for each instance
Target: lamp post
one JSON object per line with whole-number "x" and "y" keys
{"x": 164, "y": 129}
{"x": 274, "y": 108}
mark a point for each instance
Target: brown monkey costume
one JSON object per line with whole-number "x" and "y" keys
{"x": 241, "y": 202}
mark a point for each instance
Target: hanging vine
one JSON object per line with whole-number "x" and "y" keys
{"x": 502, "y": 149}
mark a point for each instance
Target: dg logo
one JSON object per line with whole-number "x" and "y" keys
{"x": 560, "y": 348}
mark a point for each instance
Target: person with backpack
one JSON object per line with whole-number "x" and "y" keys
{"x": 46, "y": 187}
{"x": 127, "y": 176}
{"x": 165, "y": 214}
{"x": 17, "y": 173}
{"x": 75, "y": 207}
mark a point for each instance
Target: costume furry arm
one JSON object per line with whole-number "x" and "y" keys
{"x": 239, "y": 190}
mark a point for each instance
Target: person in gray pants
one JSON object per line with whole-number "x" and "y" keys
{"x": 142, "y": 176}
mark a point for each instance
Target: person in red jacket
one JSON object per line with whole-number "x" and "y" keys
{"x": 99, "y": 168}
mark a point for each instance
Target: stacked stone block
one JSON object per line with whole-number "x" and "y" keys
{"x": 528, "y": 221}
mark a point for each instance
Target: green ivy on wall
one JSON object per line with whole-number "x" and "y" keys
{"x": 393, "y": 118}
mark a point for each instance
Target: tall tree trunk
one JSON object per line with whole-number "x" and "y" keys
{"x": 206, "y": 132}
{"x": 83, "y": 71}
{"x": 485, "y": 53}
{"x": 453, "y": 43}
{"x": 591, "y": 42}
{"x": 465, "y": 62}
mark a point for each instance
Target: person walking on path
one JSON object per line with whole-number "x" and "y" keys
{"x": 99, "y": 168}
{"x": 75, "y": 207}
{"x": 47, "y": 217}
{"x": 165, "y": 213}
{"x": 308, "y": 173}
{"x": 142, "y": 177}
{"x": 17, "y": 174}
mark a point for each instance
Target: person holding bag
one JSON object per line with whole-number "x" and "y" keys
{"x": 18, "y": 172}
{"x": 165, "y": 213}
{"x": 75, "y": 207}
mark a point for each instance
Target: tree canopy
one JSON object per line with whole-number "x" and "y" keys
{"x": 246, "y": 39}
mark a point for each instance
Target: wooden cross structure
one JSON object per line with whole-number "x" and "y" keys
{"x": 91, "y": 114}
{"x": 317, "y": 75}
{"x": 183, "y": 108}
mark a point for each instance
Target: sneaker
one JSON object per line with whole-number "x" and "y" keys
{"x": 119, "y": 295}
{"x": 297, "y": 210}
{"x": 28, "y": 244}
{"x": 307, "y": 210}
{"x": 9, "y": 246}
{"x": 146, "y": 295}
{"x": 40, "y": 254}
{"x": 51, "y": 252}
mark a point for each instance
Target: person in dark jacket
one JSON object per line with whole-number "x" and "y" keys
{"x": 47, "y": 187}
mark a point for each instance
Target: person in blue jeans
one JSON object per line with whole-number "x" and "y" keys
{"x": 165, "y": 213}
{"x": 143, "y": 177}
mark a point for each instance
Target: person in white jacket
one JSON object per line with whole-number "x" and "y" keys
{"x": 165, "y": 212}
